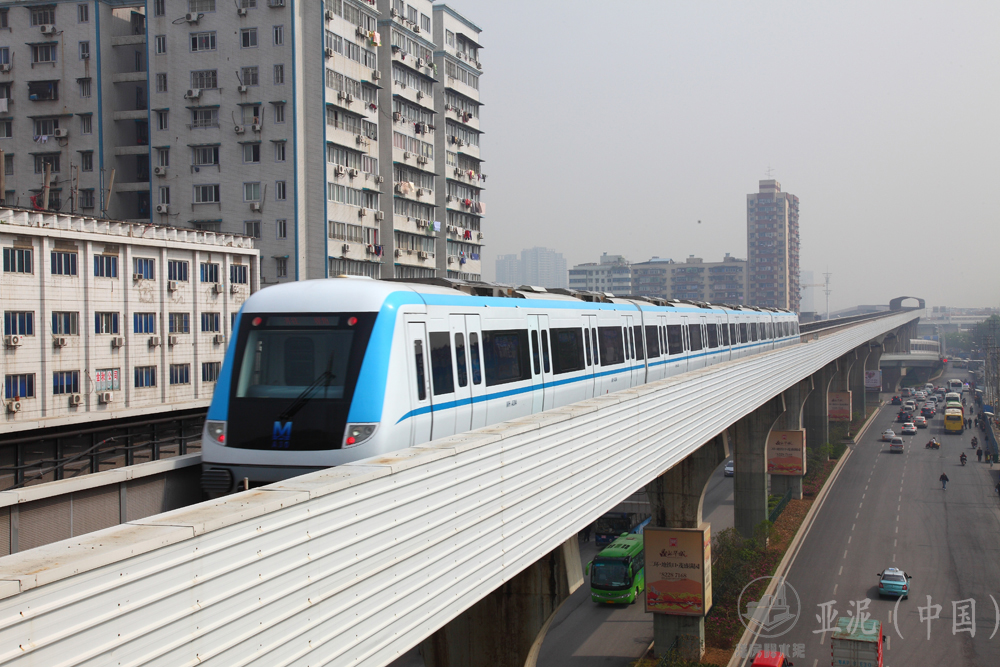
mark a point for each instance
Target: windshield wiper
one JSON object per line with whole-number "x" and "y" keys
{"x": 304, "y": 398}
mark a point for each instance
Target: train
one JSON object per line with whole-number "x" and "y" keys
{"x": 320, "y": 373}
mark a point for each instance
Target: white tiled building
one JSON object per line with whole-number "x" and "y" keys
{"x": 319, "y": 128}
{"x": 106, "y": 319}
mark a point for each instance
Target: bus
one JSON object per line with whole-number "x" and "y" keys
{"x": 955, "y": 386}
{"x": 629, "y": 516}
{"x": 618, "y": 573}
{"x": 954, "y": 421}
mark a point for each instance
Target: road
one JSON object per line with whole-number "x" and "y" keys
{"x": 889, "y": 510}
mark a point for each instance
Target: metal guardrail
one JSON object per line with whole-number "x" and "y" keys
{"x": 780, "y": 507}
{"x": 821, "y": 325}
{"x": 359, "y": 563}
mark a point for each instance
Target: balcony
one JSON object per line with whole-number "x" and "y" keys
{"x": 132, "y": 150}
{"x": 128, "y": 40}
{"x": 129, "y": 77}
{"x": 141, "y": 186}
{"x": 138, "y": 114}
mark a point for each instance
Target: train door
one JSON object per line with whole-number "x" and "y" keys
{"x": 463, "y": 381}
{"x": 477, "y": 382}
{"x": 638, "y": 350}
{"x": 696, "y": 342}
{"x": 548, "y": 377}
{"x": 420, "y": 387}
{"x": 590, "y": 356}
{"x": 442, "y": 371}
{"x": 537, "y": 383}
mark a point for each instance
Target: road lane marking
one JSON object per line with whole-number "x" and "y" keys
{"x": 863, "y": 496}
{"x": 897, "y": 517}
{"x": 835, "y": 588}
{"x": 860, "y": 505}
{"x": 853, "y": 525}
{"x": 894, "y": 543}
{"x": 897, "y": 507}
{"x": 845, "y": 553}
{"x": 841, "y": 571}
{"x": 894, "y": 558}
{"x": 857, "y": 515}
{"x": 897, "y": 529}
{"x": 849, "y": 537}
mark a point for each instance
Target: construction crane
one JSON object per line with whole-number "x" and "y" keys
{"x": 826, "y": 290}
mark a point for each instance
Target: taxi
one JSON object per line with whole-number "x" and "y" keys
{"x": 893, "y": 581}
{"x": 888, "y": 435}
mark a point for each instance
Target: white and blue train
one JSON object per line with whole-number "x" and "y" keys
{"x": 324, "y": 372}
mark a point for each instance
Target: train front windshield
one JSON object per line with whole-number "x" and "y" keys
{"x": 293, "y": 379}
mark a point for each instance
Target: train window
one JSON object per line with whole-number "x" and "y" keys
{"x": 694, "y": 335}
{"x": 568, "y": 350}
{"x": 744, "y": 335}
{"x": 586, "y": 346}
{"x": 675, "y": 342}
{"x": 638, "y": 337}
{"x": 612, "y": 349}
{"x": 545, "y": 351}
{"x": 477, "y": 375}
{"x": 444, "y": 382}
{"x": 652, "y": 341}
{"x": 593, "y": 336}
{"x": 713, "y": 336}
{"x": 628, "y": 344}
{"x": 300, "y": 361}
{"x": 463, "y": 373}
{"x": 753, "y": 331}
{"x": 534, "y": 353}
{"x": 724, "y": 334}
{"x": 732, "y": 335}
{"x": 418, "y": 358}
{"x": 281, "y": 362}
{"x": 663, "y": 338}
{"x": 505, "y": 356}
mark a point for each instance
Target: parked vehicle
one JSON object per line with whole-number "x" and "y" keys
{"x": 857, "y": 643}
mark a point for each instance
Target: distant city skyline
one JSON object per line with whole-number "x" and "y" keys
{"x": 540, "y": 267}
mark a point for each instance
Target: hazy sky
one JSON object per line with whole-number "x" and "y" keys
{"x": 616, "y": 126}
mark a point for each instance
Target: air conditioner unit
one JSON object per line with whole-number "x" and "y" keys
{"x": 163, "y": 208}
{"x": 420, "y": 95}
{"x": 393, "y": 13}
{"x": 353, "y": 173}
{"x": 362, "y": 212}
{"x": 171, "y": 340}
{"x": 117, "y": 341}
{"x": 420, "y": 62}
{"x": 340, "y": 170}
{"x": 407, "y": 155}
{"x": 461, "y": 142}
{"x": 341, "y": 96}
{"x": 172, "y": 286}
{"x": 234, "y": 289}
{"x": 47, "y": 29}
{"x": 349, "y": 98}
{"x": 421, "y": 192}
{"x": 458, "y": 172}
{"x": 154, "y": 341}
{"x": 256, "y": 127}
{"x": 219, "y": 339}
{"x": 255, "y": 206}
{"x": 449, "y": 198}
{"x": 13, "y": 406}
{"x": 241, "y": 11}
{"x": 192, "y": 17}
{"x": 60, "y": 341}
{"x": 379, "y": 215}
{"x": 396, "y": 116}
{"x": 5, "y": 67}
{"x": 105, "y": 396}
{"x": 242, "y": 88}
{"x": 137, "y": 277}
{"x": 12, "y": 341}
{"x": 376, "y": 75}
{"x": 359, "y": 139}
{"x": 361, "y": 32}
{"x": 380, "y": 179}
{"x": 85, "y": 56}
{"x": 422, "y": 160}
{"x": 275, "y": 3}
{"x": 329, "y": 15}
{"x": 451, "y": 259}
{"x": 75, "y": 399}
{"x": 160, "y": 171}
{"x": 218, "y": 288}
{"x": 60, "y": 133}
{"x": 416, "y": 28}
{"x": 345, "y": 248}
{"x": 398, "y": 252}
{"x": 422, "y": 255}
{"x": 192, "y": 93}
{"x": 329, "y": 52}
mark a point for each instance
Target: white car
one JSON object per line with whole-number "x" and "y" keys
{"x": 909, "y": 428}
{"x": 920, "y": 396}
{"x": 896, "y": 445}
{"x": 888, "y": 435}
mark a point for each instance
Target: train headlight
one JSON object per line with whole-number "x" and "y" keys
{"x": 358, "y": 433}
{"x": 216, "y": 431}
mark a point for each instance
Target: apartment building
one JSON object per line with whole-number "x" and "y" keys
{"x": 773, "y": 247}
{"x": 326, "y": 145}
{"x": 611, "y": 274}
{"x": 652, "y": 278}
{"x": 542, "y": 267}
{"x": 106, "y": 319}
{"x": 694, "y": 279}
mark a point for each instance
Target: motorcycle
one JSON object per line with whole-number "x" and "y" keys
{"x": 975, "y": 442}
{"x": 933, "y": 444}
{"x": 962, "y": 458}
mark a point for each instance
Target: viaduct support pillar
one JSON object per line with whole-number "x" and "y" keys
{"x": 857, "y": 381}
{"x": 791, "y": 420}
{"x": 750, "y": 479}
{"x": 815, "y": 417}
{"x": 675, "y": 499}
{"x": 501, "y": 629}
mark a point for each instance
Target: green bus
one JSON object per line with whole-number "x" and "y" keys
{"x": 617, "y": 574}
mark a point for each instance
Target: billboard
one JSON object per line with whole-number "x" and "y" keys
{"x": 678, "y": 570}
{"x": 786, "y": 452}
{"x": 838, "y": 406}
{"x": 873, "y": 380}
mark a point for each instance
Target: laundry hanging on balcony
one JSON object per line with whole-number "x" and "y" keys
{"x": 479, "y": 207}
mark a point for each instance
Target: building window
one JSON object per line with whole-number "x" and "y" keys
{"x": 87, "y": 198}
{"x": 44, "y": 53}
{"x": 251, "y": 153}
{"x": 248, "y": 4}
{"x": 46, "y": 126}
{"x": 180, "y": 373}
{"x": 86, "y": 124}
{"x": 279, "y": 75}
{"x": 161, "y": 82}
{"x": 248, "y": 38}
{"x": 51, "y": 160}
{"x": 177, "y": 270}
{"x": 163, "y": 157}
{"x": 281, "y": 229}
{"x": 203, "y": 41}
{"x": 159, "y": 7}
{"x": 144, "y": 267}
{"x": 65, "y": 324}
{"x": 19, "y": 386}
{"x": 63, "y": 263}
{"x": 180, "y": 323}
{"x": 164, "y": 194}
{"x": 87, "y": 161}
{"x": 17, "y": 260}
{"x": 239, "y": 274}
{"x": 250, "y": 76}
{"x": 161, "y": 44}
{"x": 144, "y": 323}
{"x": 201, "y": 5}
{"x": 145, "y": 376}
{"x": 279, "y": 35}
{"x": 6, "y": 129}
{"x": 251, "y": 192}
{"x": 106, "y": 323}
{"x": 210, "y": 371}
{"x": 279, "y": 152}
{"x": 279, "y": 191}
{"x": 425, "y": 23}
{"x": 206, "y": 156}
{"x": 19, "y": 323}
{"x": 202, "y": 118}
{"x": 82, "y": 13}
{"x": 205, "y": 78}
{"x": 281, "y": 267}
{"x": 279, "y": 113}
{"x": 209, "y": 272}
{"x": 161, "y": 120}
{"x": 206, "y": 194}
{"x": 211, "y": 323}
{"x": 65, "y": 382}
{"x": 85, "y": 51}
{"x": 84, "y": 87}
{"x": 43, "y": 15}
{"x": 3, "y": 18}
{"x": 106, "y": 266}
{"x": 252, "y": 228}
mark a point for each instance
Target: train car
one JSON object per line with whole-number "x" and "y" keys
{"x": 325, "y": 372}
